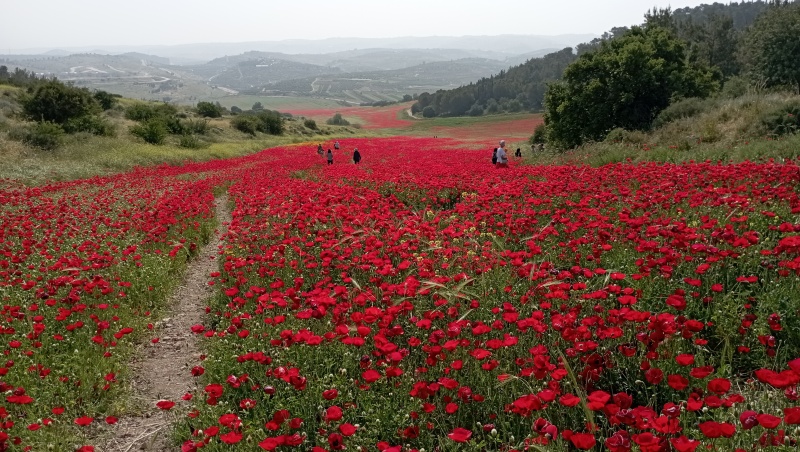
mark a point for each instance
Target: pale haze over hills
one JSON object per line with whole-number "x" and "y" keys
{"x": 36, "y": 26}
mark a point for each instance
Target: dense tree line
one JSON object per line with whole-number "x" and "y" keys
{"x": 711, "y": 35}
{"x": 625, "y": 81}
{"x": 520, "y": 88}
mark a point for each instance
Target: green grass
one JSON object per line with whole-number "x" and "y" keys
{"x": 598, "y": 154}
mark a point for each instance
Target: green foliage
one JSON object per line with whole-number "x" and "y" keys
{"x": 142, "y": 112}
{"x": 620, "y": 135}
{"x": 257, "y": 106}
{"x": 625, "y": 83}
{"x": 310, "y": 123}
{"x": 209, "y": 110}
{"x": 520, "y": 88}
{"x": 195, "y": 127}
{"x": 19, "y": 77}
{"x": 539, "y": 134}
{"x": 783, "y": 120}
{"x": 191, "y": 142}
{"x": 235, "y": 110}
{"x": 684, "y": 108}
{"x": 265, "y": 121}
{"x": 772, "y": 47}
{"x": 90, "y": 124}
{"x": 42, "y": 135}
{"x": 429, "y": 112}
{"x": 475, "y": 110}
{"x": 53, "y": 101}
{"x": 407, "y": 98}
{"x": 106, "y": 100}
{"x": 152, "y": 131}
{"x": 337, "y": 120}
{"x": 245, "y": 123}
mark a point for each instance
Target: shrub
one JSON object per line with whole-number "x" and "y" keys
{"x": 270, "y": 122}
{"x": 106, "y": 100}
{"x": 191, "y": 142}
{"x": 209, "y": 110}
{"x": 428, "y": 112}
{"x": 337, "y": 120}
{"x": 475, "y": 110}
{"x": 684, "y": 108}
{"x": 245, "y": 123}
{"x": 53, "y": 101}
{"x": 620, "y": 135}
{"x": 196, "y": 127}
{"x": 143, "y": 112}
{"x": 90, "y": 124}
{"x": 310, "y": 123}
{"x": 539, "y": 134}
{"x": 783, "y": 120}
{"x": 42, "y": 135}
{"x": 235, "y": 110}
{"x": 152, "y": 131}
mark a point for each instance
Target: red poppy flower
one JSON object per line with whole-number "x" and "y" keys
{"x": 460, "y": 435}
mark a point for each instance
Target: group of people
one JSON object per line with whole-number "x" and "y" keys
{"x": 500, "y": 157}
{"x": 329, "y": 155}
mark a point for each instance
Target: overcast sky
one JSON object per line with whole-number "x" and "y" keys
{"x": 26, "y": 24}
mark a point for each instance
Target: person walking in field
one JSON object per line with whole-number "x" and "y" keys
{"x": 336, "y": 145}
{"x": 518, "y": 153}
{"x": 320, "y": 151}
{"x": 502, "y": 157}
{"x": 494, "y": 156}
{"x": 356, "y": 156}
{"x": 330, "y": 157}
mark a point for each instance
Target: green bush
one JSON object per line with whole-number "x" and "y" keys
{"x": 106, "y": 100}
{"x": 53, "y": 101}
{"x": 90, "y": 124}
{"x": 310, "y": 123}
{"x": 475, "y": 110}
{"x": 153, "y": 131}
{"x": 235, "y": 110}
{"x": 428, "y": 112}
{"x": 337, "y": 120}
{"x": 539, "y": 134}
{"x": 246, "y": 123}
{"x": 620, "y": 135}
{"x": 783, "y": 120}
{"x": 143, "y": 112}
{"x": 684, "y": 108}
{"x": 199, "y": 127}
{"x": 191, "y": 142}
{"x": 209, "y": 110}
{"x": 42, "y": 135}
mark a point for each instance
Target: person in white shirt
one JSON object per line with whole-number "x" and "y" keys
{"x": 502, "y": 157}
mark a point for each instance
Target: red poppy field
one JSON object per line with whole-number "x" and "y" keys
{"x": 422, "y": 300}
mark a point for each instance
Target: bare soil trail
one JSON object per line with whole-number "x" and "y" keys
{"x": 163, "y": 370}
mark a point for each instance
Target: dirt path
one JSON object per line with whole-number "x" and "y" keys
{"x": 162, "y": 371}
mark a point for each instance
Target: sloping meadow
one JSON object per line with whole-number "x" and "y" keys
{"x": 420, "y": 300}
{"x": 426, "y": 300}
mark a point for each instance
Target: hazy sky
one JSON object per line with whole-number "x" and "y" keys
{"x": 61, "y": 23}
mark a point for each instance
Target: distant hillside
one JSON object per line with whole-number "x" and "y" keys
{"x": 254, "y": 73}
{"x": 509, "y": 45}
{"x": 520, "y": 88}
{"x": 374, "y": 86}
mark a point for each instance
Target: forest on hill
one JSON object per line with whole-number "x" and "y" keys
{"x": 712, "y": 36}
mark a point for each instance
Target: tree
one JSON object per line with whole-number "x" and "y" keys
{"x": 337, "y": 120}
{"x": 257, "y": 106}
{"x": 625, "y": 83}
{"x": 105, "y": 99}
{"x": 772, "y": 48}
{"x": 53, "y": 101}
{"x": 235, "y": 110}
{"x": 209, "y": 110}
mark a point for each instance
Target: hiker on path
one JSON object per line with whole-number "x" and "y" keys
{"x": 502, "y": 158}
{"x": 356, "y": 156}
{"x": 330, "y": 157}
